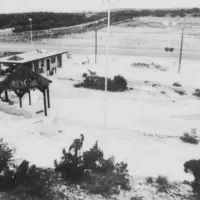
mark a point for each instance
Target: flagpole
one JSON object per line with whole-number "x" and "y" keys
{"x": 107, "y": 63}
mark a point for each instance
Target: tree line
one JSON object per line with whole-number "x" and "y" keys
{"x": 47, "y": 20}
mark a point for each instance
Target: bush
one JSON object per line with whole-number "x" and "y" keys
{"x": 91, "y": 170}
{"x": 163, "y": 184}
{"x": 197, "y": 93}
{"x": 149, "y": 180}
{"x": 92, "y": 157}
{"x": 71, "y": 164}
{"x": 93, "y": 81}
{"x": 176, "y": 84}
{"x": 180, "y": 92}
{"x": 32, "y": 180}
{"x": 190, "y": 137}
{"x": 193, "y": 167}
{"x": 162, "y": 181}
{"x": 136, "y": 198}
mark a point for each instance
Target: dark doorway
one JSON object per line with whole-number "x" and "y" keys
{"x": 48, "y": 65}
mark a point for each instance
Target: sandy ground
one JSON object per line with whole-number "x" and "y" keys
{"x": 143, "y": 125}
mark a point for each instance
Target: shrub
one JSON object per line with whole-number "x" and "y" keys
{"x": 91, "y": 170}
{"x": 197, "y": 93}
{"x": 190, "y": 137}
{"x": 149, "y": 180}
{"x": 32, "y": 180}
{"x": 92, "y": 157}
{"x": 177, "y": 84}
{"x": 180, "y": 92}
{"x": 6, "y": 166}
{"x": 71, "y": 164}
{"x": 193, "y": 167}
{"x": 136, "y": 198}
{"x": 120, "y": 82}
{"x": 163, "y": 184}
{"x": 162, "y": 181}
{"x": 93, "y": 81}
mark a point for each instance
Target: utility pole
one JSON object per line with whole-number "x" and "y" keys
{"x": 95, "y": 44}
{"x": 106, "y": 71}
{"x": 30, "y": 20}
{"x": 181, "y": 50}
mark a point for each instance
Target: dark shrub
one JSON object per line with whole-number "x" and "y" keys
{"x": 32, "y": 180}
{"x": 162, "y": 180}
{"x": 120, "y": 82}
{"x": 84, "y": 75}
{"x": 197, "y": 93}
{"x": 93, "y": 81}
{"x": 136, "y": 198}
{"x": 193, "y": 167}
{"x": 6, "y": 166}
{"x": 91, "y": 170}
{"x": 163, "y": 184}
{"x": 71, "y": 164}
{"x": 177, "y": 84}
{"x": 149, "y": 180}
{"x": 190, "y": 137}
{"x": 92, "y": 157}
{"x": 180, "y": 92}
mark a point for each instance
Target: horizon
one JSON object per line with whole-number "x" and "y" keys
{"x": 67, "y": 6}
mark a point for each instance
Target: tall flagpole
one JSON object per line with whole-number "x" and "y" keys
{"x": 107, "y": 63}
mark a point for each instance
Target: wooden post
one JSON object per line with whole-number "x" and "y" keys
{"x": 45, "y": 105}
{"x": 48, "y": 98}
{"x": 6, "y": 95}
{"x": 181, "y": 49}
{"x": 20, "y": 101}
{"x": 95, "y": 45}
{"x": 29, "y": 95}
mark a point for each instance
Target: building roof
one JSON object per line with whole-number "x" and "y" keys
{"x": 24, "y": 79}
{"x": 30, "y": 56}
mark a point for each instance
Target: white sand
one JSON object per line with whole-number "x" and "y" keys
{"x": 130, "y": 115}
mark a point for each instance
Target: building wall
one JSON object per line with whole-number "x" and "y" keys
{"x": 53, "y": 65}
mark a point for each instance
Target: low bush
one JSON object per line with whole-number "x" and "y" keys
{"x": 176, "y": 84}
{"x": 22, "y": 180}
{"x": 149, "y": 180}
{"x": 163, "y": 184}
{"x": 136, "y": 198}
{"x": 91, "y": 170}
{"x": 141, "y": 65}
{"x": 197, "y": 93}
{"x": 92, "y": 81}
{"x": 162, "y": 180}
{"x": 193, "y": 167}
{"x": 190, "y": 138}
{"x": 180, "y": 92}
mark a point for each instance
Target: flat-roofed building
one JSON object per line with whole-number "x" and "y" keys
{"x": 39, "y": 61}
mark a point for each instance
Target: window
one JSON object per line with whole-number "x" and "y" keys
{"x": 42, "y": 63}
{"x": 53, "y": 59}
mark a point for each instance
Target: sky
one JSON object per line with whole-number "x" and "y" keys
{"x": 9, "y": 6}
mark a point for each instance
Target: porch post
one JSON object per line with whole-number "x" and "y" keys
{"x": 6, "y": 95}
{"x": 48, "y": 98}
{"x": 20, "y": 101}
{"x": 29, "y": 94}
{"x": 45, "y": 105}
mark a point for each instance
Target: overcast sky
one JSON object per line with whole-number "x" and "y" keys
{"x": 8, "y": 6}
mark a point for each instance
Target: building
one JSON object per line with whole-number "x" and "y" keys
{"x": 39, "y": 61}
